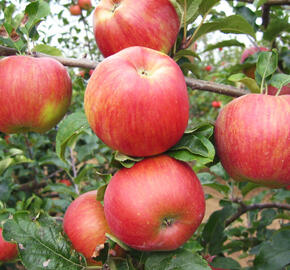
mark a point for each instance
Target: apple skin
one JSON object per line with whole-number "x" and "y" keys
{"x": 250, "y": 72}
{"x": 85, "y": 4}
{"x": 75, "y": 10}
{"x": 132, "y": 108}
{"x": 284, "y": 91}
{"x": 149, "y": 23}
{"x": 155, "y": 205}
{"x": 252, "y": 135}
{"x": 8, "y": 251}
{"x": 85, "y": 225}
{"x": 35, "y": 94}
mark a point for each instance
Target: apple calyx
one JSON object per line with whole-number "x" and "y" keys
{"x": 115, "y": 6}
{"x": 168, "y": 222}
{"x": 143, "y": 72}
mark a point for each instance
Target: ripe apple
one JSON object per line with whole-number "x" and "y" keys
{"x": 208, "y": 68}
{"x": 75, "y": 10}
{"x": 85, "y": 225}
{"x": 284, "y": 91}
{"x": 250, "y": 72}
{"x": 35, "y": 94}
{"x": 65, "y": 182}
{"x": 155, "y": 205}
{"x": 125, "y": 23}
{"x": 216, "y": 104}
{"x": 252, "y": 135}
{"x": 136, "y": 102}
{"x": 8, "y": 251}
{"x": 85, "y": 4}
{"x": 91, "y": 72}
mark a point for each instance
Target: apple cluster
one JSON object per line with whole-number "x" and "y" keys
{"x": 76, "y": 9}
{"x": 136, "y": 102}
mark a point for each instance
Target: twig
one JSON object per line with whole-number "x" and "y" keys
{"x": 269, "y": 2}
{"x": 32, "y": 185}
{"x": 74, "y": 169}
{"x": 192, "y": 83}
{"x": 246, "y": 208}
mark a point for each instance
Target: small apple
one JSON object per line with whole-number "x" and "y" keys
{"x": 252, "y": 135}
{"x": 220, "y": 49}
{"x": 8, "y": 251}
{"x": 75, "y": 10}
{"x": 85, "y": 225}
{"x": 216, "y": 104}
{"x": 82, "y": 73}
{"x": 35, "y": 94}
{"x": 65, "y": 182}
{"x": 85, "y": 4}
{"x": 284, "y": 91}
{"x": 132, "y": 108}
{"x": 155, "y": 205}
{"x": 250, "y": 72}
{"x": 126, "y": 23}
{"x": 91, "y": 72}
{"x": 208, "y": 68}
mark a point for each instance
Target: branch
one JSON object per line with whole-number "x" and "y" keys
{"x": 245, "y": 208}
{"x": 269, "y": 2}
{"x": 85, "y": 63}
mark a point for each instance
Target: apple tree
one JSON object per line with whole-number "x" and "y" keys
{"x": 144, "y": 135}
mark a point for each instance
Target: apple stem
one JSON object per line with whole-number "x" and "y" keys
{"x": 167, "y": 222}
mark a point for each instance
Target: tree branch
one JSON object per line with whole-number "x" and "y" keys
{"x": 85, "y": 63}
{"x": 269, "y": 2}
{"x": 246, "y": 208}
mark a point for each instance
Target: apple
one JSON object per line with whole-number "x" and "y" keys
{"x": 91, "y": 72}
{"x": 136, "y": 102}
{"x": 75, "y": 10}
{"x": 65, "y": 182}
{"x": 284, "y": 91}
{"x": 35, "y": 94}
{"x": 216, "y": 104}
{"x": 85, "y": 225}
{"x": 125, "y": 23}
{"x": 85, "y": 4}
{"x": 252, "y": 135}
{"x": 155, "y": 205}
{"x": 250, "y": 72}
{"x": 82, "y": 73}
{"x": 8, "y": 251}
{"x": 208, "y": 68}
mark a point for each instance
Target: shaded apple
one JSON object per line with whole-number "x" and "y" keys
{"x": 125, "y": 23}
{"x": 75, "y": 10}
{"x": 136, "y": 102}
{"x": 35, "y": 94}
{"x": 252, "y": 135}
{"x": 155, "y": 205}
{"x": 85, "y": 4}
{"x": 8, "y": 251}
{"x": 85, "y": 225}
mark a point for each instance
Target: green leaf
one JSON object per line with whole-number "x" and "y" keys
{"x": 248, "y": 82}
{"x": 9, "y": 161}
{"x": 274, "y": 254}
{"x": 183, "y": 53}
{"x": 192, "y": 10}
{"x": 206, "y": 6}
{"x": 69, "y": 129}
{"x": 259, "y": 3}
{"x": 121, "y": 160}
{"x": 219, "y": 170}
{"x": 118, "y": 241}
{"x": 267, "y": 63}
{"x": 279, "y": 80}
{"x": 41, "y": 243}
{"x": 276, "y": 27}
{"x": 49, "y": 50}
{"x": 8, "y": 12}
{"x": 195, "y": 145}
{"x": 225, "y": 43}
{"x": 225, "y": 263}
{"x": 179, "y": 259}
{"x": 101, "y": 192}
{"x": 232, "y": 24}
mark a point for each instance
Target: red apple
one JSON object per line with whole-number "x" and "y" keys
{"x": 216, "y": 104}
{"x": 250, "y": 72}
{"x": 252, "y": 135}
{"x": 284, "y": 91}
{"x": 75, "y": 10}
{"x": 125, "y": 23}
{"x": 208, "y": 68}
{"x": 8, "y": 251}
{"x": 91, "y": 72}
{"x": 35, "y": 94}
{"x": 82, "y": 73}
{"x": 136, "y": 102}
{"x": 155, "y": 205}
{"x": 65, "y": 182}
{"x": 85, "y": 225}
{"x": 85, "y": 4}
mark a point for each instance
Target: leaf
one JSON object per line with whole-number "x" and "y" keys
{"x": 9, "y": 161}
{"x": 101, "y": 192}
{"x": 219, "y": 170}
{"x": 41, "y": 243}
{"x": 49, "y": 50}
{"x": 232, "y": 24}
{"x": 118, "y": 241}
{"x": 267, "y": 63}
{"x": 279, "y": 80}
{"x": 274, "y": 254}
{"x": 248, "y": 82}
{"x": 225, "y": 43}
{"x": 183, "y": 53}
{"x": 225, "y": 263}
{"x": 179, "y": 259}
{"x": 69, "y": 129}
{"x": 121, "y": 160}
{"x": 192, "y": 10}
{"x": 195, "y": 145}
{"x": 259, "y": 3}
{"x": 275, "y": 28}
{"x": 206, "y": 6}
